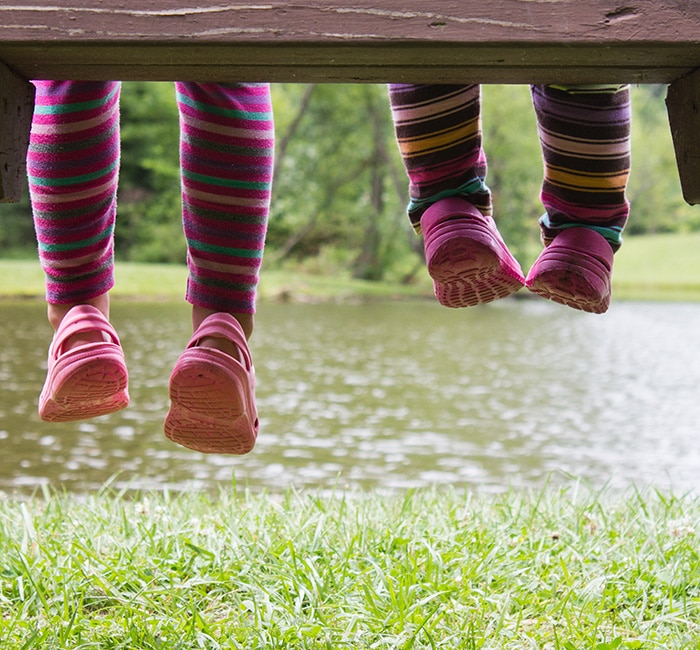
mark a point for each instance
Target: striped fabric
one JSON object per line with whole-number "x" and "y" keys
{"x": 438, "y": 130}
{"x": 585, "y": 137}
{"x": 226, "y": 162}
{"x": 73, "y": 166}
{"x": 226, "y": 155}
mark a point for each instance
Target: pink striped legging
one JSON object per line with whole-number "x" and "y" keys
{"x": 226, "y": 158}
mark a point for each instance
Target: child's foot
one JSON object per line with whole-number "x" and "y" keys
{"x": 575, "y": 270}
{"x": 466, "y": 256}
{"x": 212, "y": 393}
{"x": 87, "y": 373}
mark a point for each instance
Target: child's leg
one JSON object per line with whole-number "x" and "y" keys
{"x": 72, "y": 165}
{"x": 585, "y": 137}
{"x": 226, "y": 151}
{"x": 438, "y": 129}
{"x": 73, "y": 168}
{"x": 227, "y": 142}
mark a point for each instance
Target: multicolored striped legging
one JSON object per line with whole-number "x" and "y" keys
{"x": 585, "y": 137}
{"x": 226, "y": 159}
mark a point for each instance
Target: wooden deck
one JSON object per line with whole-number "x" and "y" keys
{"x": 368, "y": 41}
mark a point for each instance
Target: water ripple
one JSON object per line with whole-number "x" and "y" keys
{"x": 388, "y": 396}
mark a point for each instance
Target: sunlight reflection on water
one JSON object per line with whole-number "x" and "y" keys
{"x": 394, "y": 395}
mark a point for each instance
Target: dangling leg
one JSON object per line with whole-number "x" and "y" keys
{"x": 438, "y": 129}
{"x": 585, "y": 137}
{"x": 73, "y": 166}
{"x": 226, "y": 153}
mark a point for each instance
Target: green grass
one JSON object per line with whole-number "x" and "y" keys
{"x": 24, "y": 279}
{"x": 659, "y": 267}
{"x": 421, "y": 569}
{"x": 652, "y": 267}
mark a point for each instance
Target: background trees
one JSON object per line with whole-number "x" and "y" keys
{"x": 340, "y": 189}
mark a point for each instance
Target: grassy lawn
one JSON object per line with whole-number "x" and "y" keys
{"x": 653, "y": 267}
{"x": 658, "y": 267}
{"x": 424, "y": 569}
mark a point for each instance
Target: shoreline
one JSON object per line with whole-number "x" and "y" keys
{"x": 22, "y": 281}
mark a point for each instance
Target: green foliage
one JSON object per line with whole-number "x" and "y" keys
{"x": 654, "y": 189}
{"x": 340, "y": 189}
{"x": 16, "y": 228}
{"x": 149, "y": 225}
{"x": 515, "y": 167}
{"x": 334, "y": 183}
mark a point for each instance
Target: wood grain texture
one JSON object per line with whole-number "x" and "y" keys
{"x": 501, "y": 41}
{"x": 683, "y": 104}
{"x": 16, "y": 106}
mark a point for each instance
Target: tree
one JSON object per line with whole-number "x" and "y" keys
{"x": 515, "y": 167}
{"x": 149, "y": 225}
{"x": 331, "y": 196}
{"x": 654, "y": 191}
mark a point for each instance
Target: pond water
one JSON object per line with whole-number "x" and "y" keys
{"x": 515, "y": 394}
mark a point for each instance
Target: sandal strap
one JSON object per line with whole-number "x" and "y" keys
{"x": 224, "y": 326}
{"x": 81, "y": 319}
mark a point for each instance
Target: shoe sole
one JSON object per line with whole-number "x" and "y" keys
{"x": 572, "y": 277}
{"x": 93, "y": 388}
{"x": 207, "y": 408}
{"x": 468, "y": 264}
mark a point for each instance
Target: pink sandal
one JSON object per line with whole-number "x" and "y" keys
{"x": 466, "y": 256}
{"x": 212, "y": 395}
{"x": 88, "y": 380}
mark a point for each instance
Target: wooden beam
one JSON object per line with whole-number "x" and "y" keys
{"x": 683, "y": 105}
{"x": 16, "y": 108}
{"x": 441, "y": 41}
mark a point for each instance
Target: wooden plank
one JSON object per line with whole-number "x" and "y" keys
{"x": 372, "y": 64}
{"x": 683, "y": 104}
{"x": 502, "y": 41}
{"x": 16, "y": 106}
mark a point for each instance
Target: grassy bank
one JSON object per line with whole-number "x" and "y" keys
{"x": 658, "y": 267}
{"x": 24, "y": 279}
{"x": 653, "y": 267}
{"x": 423, "y": 569}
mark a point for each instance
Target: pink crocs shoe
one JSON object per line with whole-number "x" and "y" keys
{"x": 88, "y": 380}
{"x": 466, "y": 256}
{"x": 212, "y": 395}
{"x": 575, "y": 270}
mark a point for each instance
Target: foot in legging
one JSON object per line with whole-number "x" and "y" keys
{"x": 438, "y": 130}
{"x": 73, "y": 162}
{"x": 585, "y": 137}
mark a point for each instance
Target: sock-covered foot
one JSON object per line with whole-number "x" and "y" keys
{"x": 575, "y": 270}
{"x": 466, "y": 256}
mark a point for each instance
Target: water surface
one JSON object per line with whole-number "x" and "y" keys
{"x": 513, "y": 394}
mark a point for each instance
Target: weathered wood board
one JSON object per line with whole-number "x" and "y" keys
{"x": 500, "y": 41}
